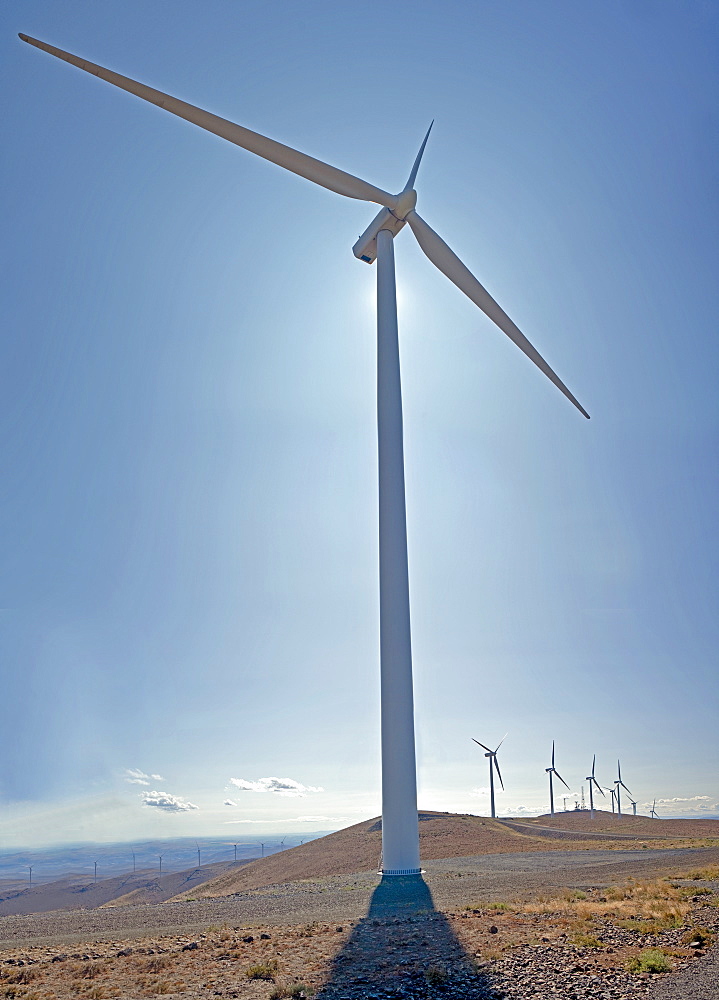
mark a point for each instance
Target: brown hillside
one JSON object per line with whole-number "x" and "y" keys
{"x": 639, "y": 826}
{"x": 358, "y": 848}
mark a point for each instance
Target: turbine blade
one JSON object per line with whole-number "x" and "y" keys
{"x": 502, "y": 741}
{"x": 480, "y": 745}
{"x": 562, "y": 780}
{"x": 449, "y": 264}
{"x": 284, "y": 156}
{"x": 624, "y": 787}
{"x": 413, "y": 173}
{"x": 499, "y": 773}
{"x": 599, "y": 787}
{"x": 594, "y": 761}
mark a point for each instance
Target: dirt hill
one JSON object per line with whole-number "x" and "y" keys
{"x": 358, "y": 848}
{"x": 578, "y": 821}
{"x": 80, "y": 892}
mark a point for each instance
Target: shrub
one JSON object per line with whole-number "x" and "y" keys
{"x": 158, "y": 964}
{"x": 698, "y": 934}
{"x": 649, "y": 960}
{"x": 291, "y": 990}
{"x": 586, "y": 941}
{"x": 265, "y": 971}
{"x": 436, "y": 976}
{"x": 91, "y": 970}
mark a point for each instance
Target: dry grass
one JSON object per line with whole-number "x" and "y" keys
{"x": 656, "y": 901}
{"x": 710, "y": 874}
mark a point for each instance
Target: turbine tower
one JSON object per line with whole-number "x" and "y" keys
{"x": 551, "y": 771}
{"x": 400, "y": 834}
{"x": 593, "y": 781}
{"x": 493, "y": 762}
{"x": 620, "y": 784}
{"x": 633, "y": 804}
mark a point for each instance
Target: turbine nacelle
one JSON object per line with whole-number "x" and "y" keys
{"x": 366, "y": 246}
{"x": 393, "y": 220}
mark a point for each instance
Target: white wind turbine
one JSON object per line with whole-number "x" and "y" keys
{"x": 400, "y": 838}
{"x": 493, "y": 762}
{"x": 551, "y": 771}
{"x": 614, "y": 797}
{"x": 593, "y": 781}
{"x": 654, "y": 814}
{"x": 620, "y": 784}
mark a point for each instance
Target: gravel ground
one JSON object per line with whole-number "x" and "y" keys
{"x": 354, "y": 938}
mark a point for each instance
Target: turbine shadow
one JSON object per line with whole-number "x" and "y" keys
{"x": 404, "y": 948}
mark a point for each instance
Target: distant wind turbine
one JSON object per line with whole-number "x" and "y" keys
{"x": 551, "y": 771}
{"x": 400, "y": 830}
{"x": 613, "y": 795}
{"x": 633, "y": 804}
{"x": 96, "y": 871}
{"x": 493, "y": 763}
{"x": 198, "y": 854}
{"x": 160, "y": 856}
{"x": 30, "y": 867}
{"x": 620, "y": 784}
{"x": 654, "y": 814}
{"x": 593, "y": 781}
{"x": 133, "y": 861}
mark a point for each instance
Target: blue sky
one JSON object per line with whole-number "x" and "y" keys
{"x": 189, "y": 553}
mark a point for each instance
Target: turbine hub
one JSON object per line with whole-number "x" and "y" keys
{"x": 405, "y": 203}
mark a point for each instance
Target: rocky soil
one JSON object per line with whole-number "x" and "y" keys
{"x": 415, "y": 938}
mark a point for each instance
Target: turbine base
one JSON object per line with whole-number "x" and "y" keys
{"x": 400, "y": 871}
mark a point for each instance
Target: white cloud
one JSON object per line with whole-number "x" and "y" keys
{"x": 479, "y": 792}
{"x": 280, "y": 786}
{"x": 519, "y": 811}
{"x": 693, "y": 798}
{"x": 167, "y": 802}
{"x": 133, "y": 776}
{"x": 229, "y": 802}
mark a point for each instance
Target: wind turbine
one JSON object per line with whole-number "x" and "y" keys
{"x": 614, "y": 796}
{"x": 493, "y": 762}
{"x": 654, "y": 814}
{"x": 593, "y": 781}
{"x": 400, "y": 832}
{"x": 620, "y": 784}
{"x": 551, "y": 771}
{"x": 633, "y": 804}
